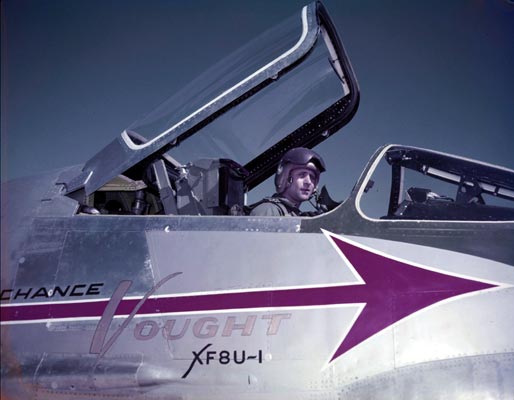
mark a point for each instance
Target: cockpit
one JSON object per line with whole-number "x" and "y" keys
{"x": 408, "y": 183}
{"x": 205, "y": 148}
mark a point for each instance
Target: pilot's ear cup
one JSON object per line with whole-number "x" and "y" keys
{"x": 279, "y": 179}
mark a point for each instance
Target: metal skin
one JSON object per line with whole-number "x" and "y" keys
{"x": 337, "y": 306}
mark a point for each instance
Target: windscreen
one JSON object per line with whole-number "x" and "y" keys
{"x": 270, "y": 115}
{"x": 221, "y": 77}
{"x": 292, "y": 86}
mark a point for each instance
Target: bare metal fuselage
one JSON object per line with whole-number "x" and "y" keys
{"x": 135, "y": 276}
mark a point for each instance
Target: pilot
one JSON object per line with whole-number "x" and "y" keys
{"x": 296, "y": 181}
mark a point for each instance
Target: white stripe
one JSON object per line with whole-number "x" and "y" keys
{"x": 414, "y": 264}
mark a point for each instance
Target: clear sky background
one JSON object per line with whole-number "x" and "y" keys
{"x": 75, "y": 73}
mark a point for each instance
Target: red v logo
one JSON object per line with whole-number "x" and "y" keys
{"x": 98, "y": 344}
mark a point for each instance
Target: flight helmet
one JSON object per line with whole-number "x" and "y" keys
{"x": 299, "y": 157}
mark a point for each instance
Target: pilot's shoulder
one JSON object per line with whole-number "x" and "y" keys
{"x": 267, "y": 209}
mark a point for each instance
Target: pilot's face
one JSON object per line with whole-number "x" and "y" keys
{"x": 301, "y": 185}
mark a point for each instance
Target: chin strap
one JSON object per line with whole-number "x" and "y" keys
{"x": 319, "y": 207}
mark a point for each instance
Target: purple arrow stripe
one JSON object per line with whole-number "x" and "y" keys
{"x": 395, "y": 290}
{"x": 211, "y": 302}
{"x": 392, "y": 291}
{"x": 55, "y": 310}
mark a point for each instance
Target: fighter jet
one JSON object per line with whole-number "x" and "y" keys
{"x": 141, "y": 274}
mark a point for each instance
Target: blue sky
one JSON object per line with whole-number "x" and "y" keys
{"x": 76, "y": 73}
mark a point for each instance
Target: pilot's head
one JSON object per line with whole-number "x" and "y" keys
{"x": 298, "y": 174}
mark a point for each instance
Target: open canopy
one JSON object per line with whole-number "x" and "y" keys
{"x": 292, "y": 86}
